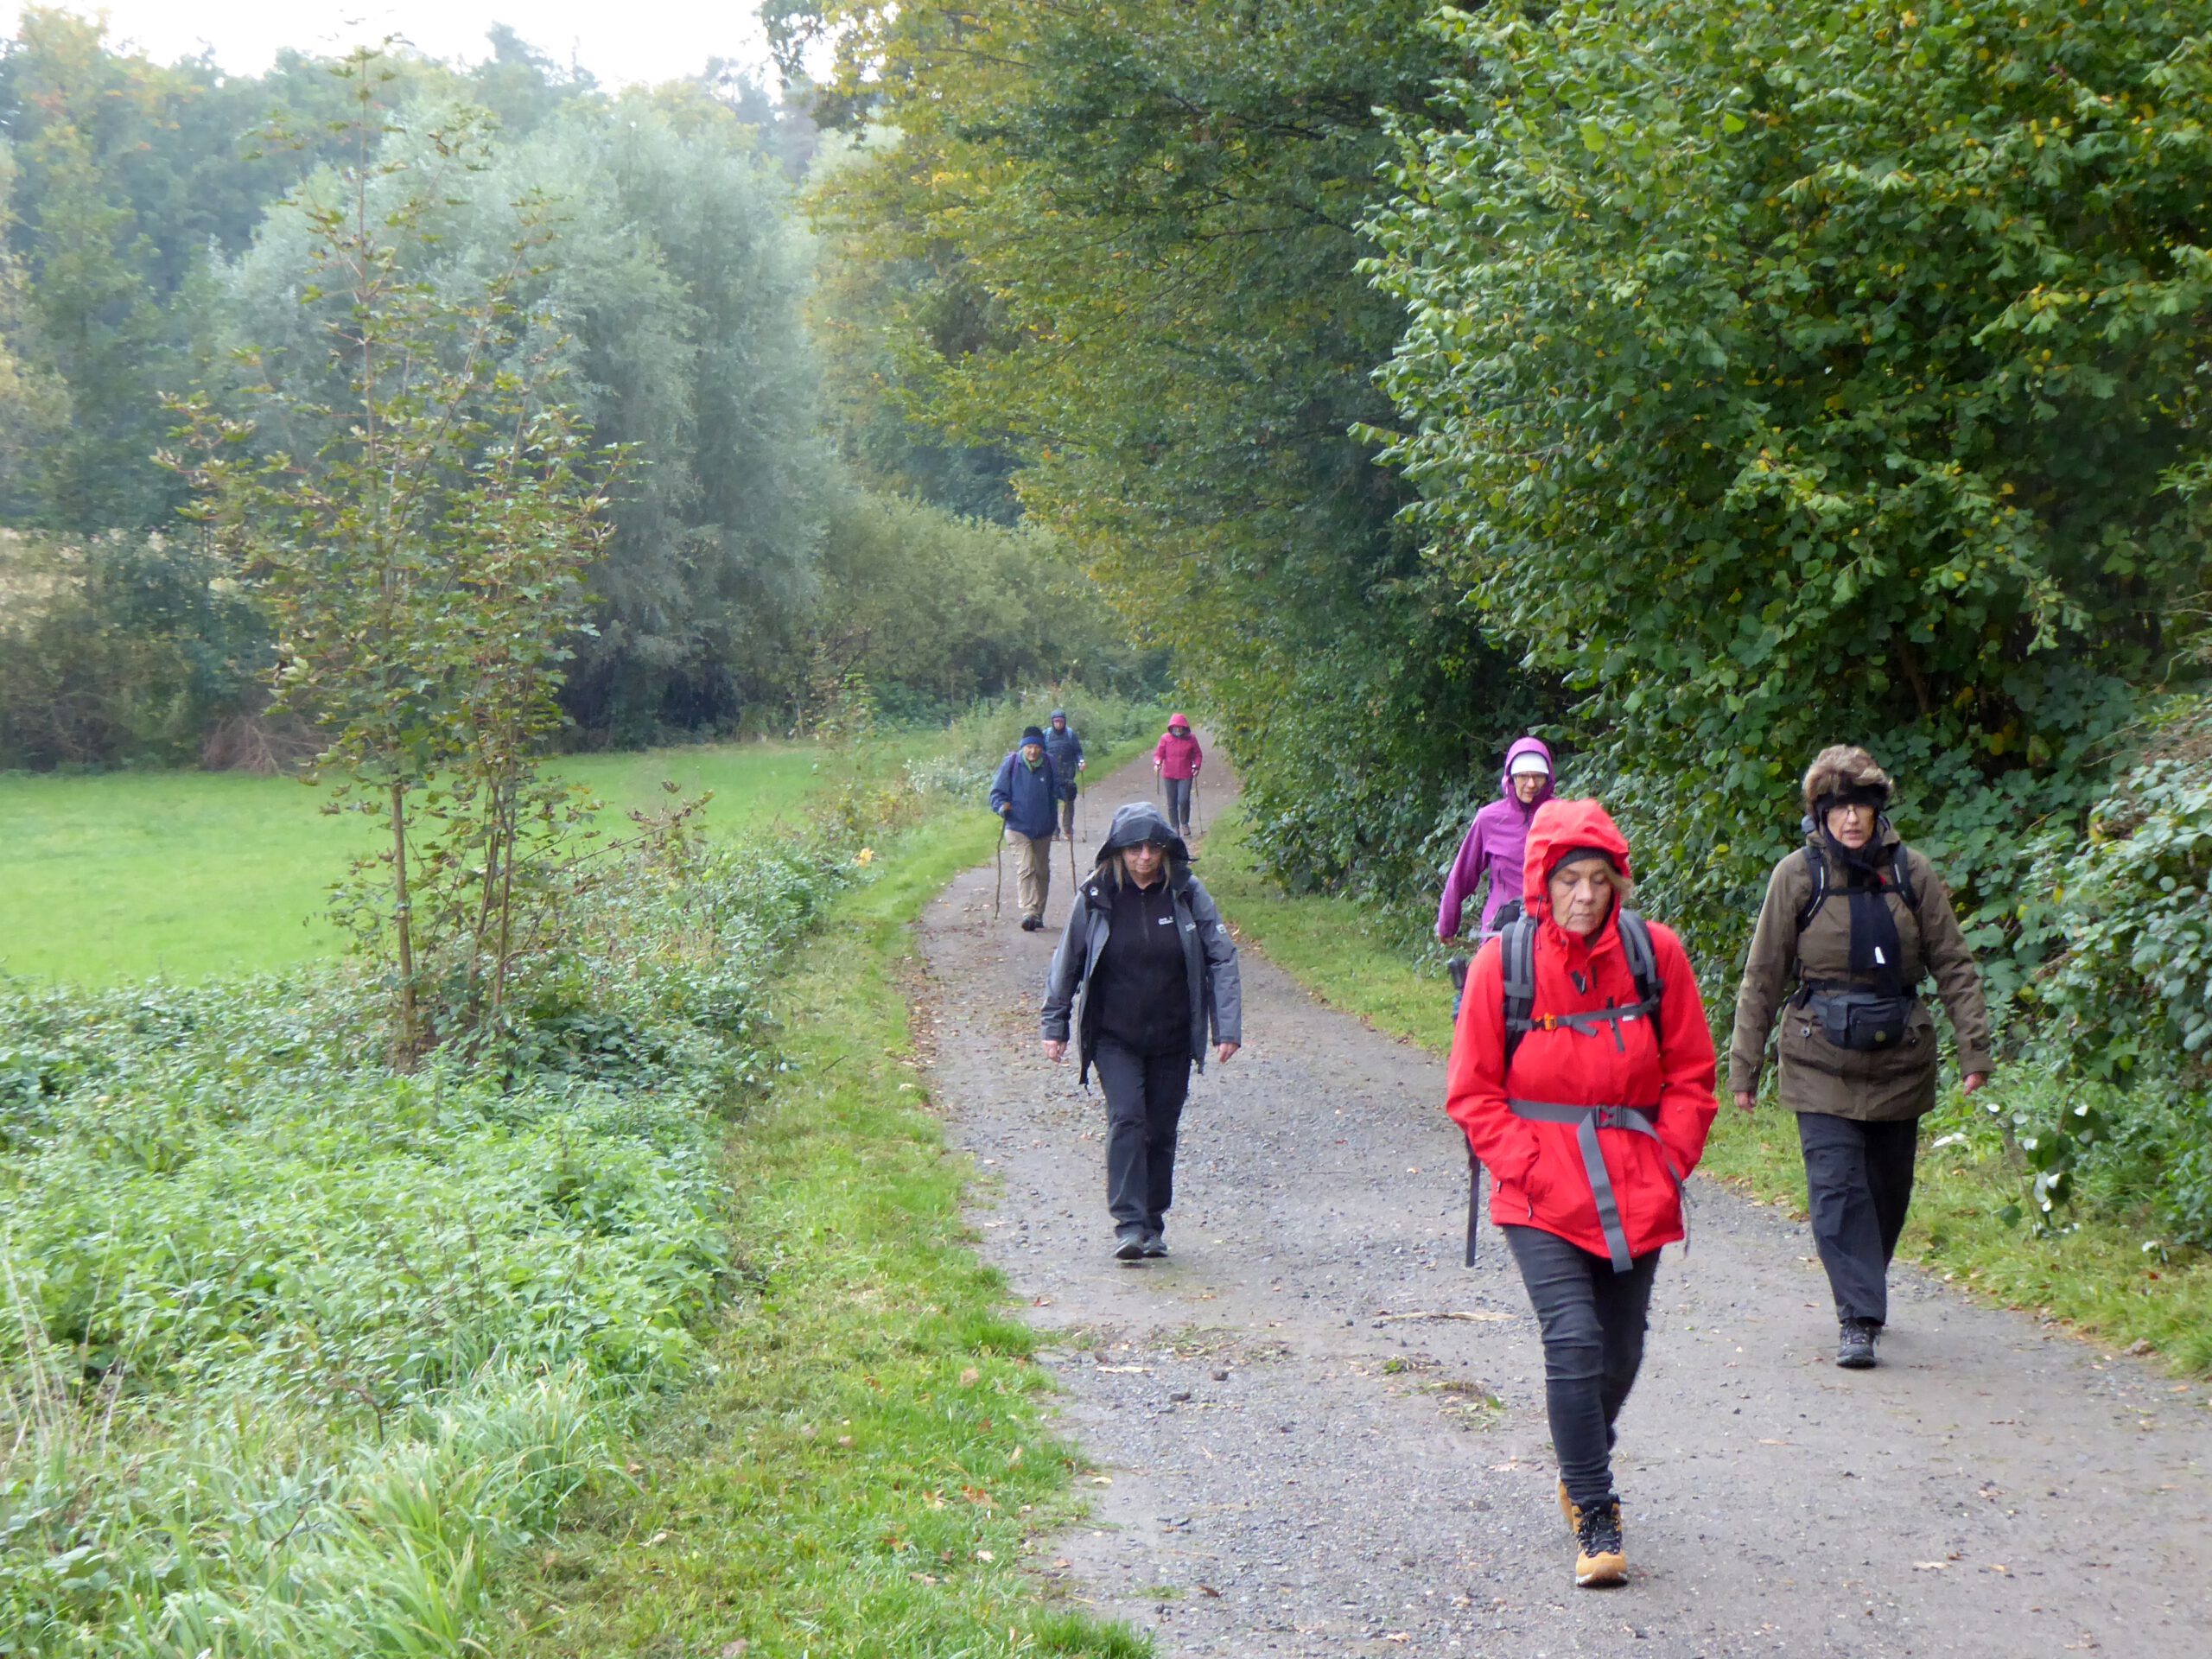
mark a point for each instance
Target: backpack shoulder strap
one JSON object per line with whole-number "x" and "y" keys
{"x": 1817, "y": 868}
{"x": 1516, "y": 960}
{"x": 1643, "y": 961}
{"x": 1901, "y": 878}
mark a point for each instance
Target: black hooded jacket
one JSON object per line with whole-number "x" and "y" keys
{"x": 1216, "y": 997}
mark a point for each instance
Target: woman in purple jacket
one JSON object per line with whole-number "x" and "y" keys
{"x": 1495, "y": 840}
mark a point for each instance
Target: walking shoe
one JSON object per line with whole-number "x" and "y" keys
{"x": 1156, "y": 1243}
{"x": 1030, "y": 923}
{"x": 1854, "y": 1345}
{"x": 1600, "y": 1558}
{"x": 1129, "y": 1247}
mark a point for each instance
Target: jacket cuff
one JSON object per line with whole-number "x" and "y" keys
{"x": 1741, "y": 1081}
{"x": 1976, "y": 1060}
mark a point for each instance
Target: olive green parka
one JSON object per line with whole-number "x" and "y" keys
{"x": 1872, "y": 1086}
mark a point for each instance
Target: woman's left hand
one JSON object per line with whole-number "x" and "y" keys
{"x": 1971, "y": 1081}
{"x": 1226, "y": 1053}
{"x": 1055, "y": 1052}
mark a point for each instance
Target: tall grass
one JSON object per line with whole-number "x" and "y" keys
{"x": 296, "y": 1352}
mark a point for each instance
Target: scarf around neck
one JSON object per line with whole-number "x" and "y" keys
{"x": 1875, "y": 947}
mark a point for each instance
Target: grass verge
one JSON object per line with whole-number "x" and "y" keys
{"x": 2099, "y": 1280}
{"x": 865, "y": 1471}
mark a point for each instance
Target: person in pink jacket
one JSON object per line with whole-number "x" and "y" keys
{"x": 1176, "y": 760}
{"x": 1496, "y": 839}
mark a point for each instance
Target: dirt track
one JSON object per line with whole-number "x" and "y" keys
{"x": 1295, "y": 1464}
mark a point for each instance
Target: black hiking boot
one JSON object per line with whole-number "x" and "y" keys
{"x": 1129, "y": 1247}
{"x": 1599, "y": 1556}
{"x": 1155, "y": 1244}
{"x": 1854, "y": 1345}
{"x": 1030, "y": 923}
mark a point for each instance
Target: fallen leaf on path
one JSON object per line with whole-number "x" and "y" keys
{"x": 1929, "y": 1567}
{"x": 1777, "y": 1442}
{"x": 1208, "y": 1590}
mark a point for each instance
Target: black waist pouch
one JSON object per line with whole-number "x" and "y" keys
{"x": 1864, "y": 1019}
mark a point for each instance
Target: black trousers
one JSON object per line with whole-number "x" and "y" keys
{"x": 1593, "y": 1322}
{"x": 1858, "y": 1182}
{"x": 1178, "y": 801}
{"x": 1144, "y": 1105}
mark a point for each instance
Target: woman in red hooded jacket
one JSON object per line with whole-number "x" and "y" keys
{"x": 1176, "y": 759}
{"x": 1587, "y": 1131}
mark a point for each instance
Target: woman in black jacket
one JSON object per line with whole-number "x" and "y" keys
{"x": 1157, "y": 973}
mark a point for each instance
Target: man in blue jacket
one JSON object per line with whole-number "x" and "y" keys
{"x": 1063, "y": 749}
{"x": 1025, "y": 794}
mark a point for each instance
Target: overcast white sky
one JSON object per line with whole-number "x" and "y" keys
{"x": 619, "y": 40}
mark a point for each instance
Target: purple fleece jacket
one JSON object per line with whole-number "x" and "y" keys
{"x": 1493, "y": 847}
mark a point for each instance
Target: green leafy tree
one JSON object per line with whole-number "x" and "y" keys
{"x": 1781, "y": 373}
{"x": 1128, "y": 244}
{"x": 421, "y": 551}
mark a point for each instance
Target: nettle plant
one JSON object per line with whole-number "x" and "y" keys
{"x": 418, "y": 520}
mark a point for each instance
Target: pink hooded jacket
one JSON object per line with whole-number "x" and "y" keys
{"x": 1493, "y": 847}
{"x": 1177, "y": 756}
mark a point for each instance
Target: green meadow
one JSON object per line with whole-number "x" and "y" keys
{"x": 187, "y": 875}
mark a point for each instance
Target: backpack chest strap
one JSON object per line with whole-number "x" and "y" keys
{"x": 1588, "y": 1022}
{"x": 1587, "y": 1120}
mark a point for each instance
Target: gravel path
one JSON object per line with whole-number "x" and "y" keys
{"x": 1299, "y": 1457}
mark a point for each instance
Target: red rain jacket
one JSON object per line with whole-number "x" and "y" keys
{"x": 1668, "y": 1072}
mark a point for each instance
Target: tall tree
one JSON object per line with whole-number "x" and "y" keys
{"x": 1787, "y": 371}
{"x": 1146, "y": 219}
{"x": 420, "y": 535}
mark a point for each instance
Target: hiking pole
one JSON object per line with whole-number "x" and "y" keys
{"x": 999, "y": 890}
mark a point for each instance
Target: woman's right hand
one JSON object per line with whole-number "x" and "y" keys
{"x": 1055, "y": 1052}
{"x": 1746, "y": 1100}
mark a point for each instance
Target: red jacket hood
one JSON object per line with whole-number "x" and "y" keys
{"x": 1560, "y": 827}
{"x": 1176, "y": 719}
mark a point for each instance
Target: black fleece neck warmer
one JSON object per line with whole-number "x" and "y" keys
{"x": 1874, "y": 943}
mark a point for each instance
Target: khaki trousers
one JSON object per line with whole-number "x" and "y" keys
{"x": 1032, "y": 867}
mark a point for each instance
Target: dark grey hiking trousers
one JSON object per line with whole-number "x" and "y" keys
{"x": 1178, "y": 801}
{"x": 1858, "y": 1182}
{"x": 1593, "y": 1321}
{"x": 1144, "y": 1106}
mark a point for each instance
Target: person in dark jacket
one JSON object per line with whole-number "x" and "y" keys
{"x": 1026, "y": 794}
{"x": 1063, "y": 749}
{"x": 1156, "y": 970}
{"x": 1857, "y": 1046}
{"x": 1589, "y": 1124}
{"x": 1176, "y": 759}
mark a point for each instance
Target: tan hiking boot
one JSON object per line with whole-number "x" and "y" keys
{"x": 1599, "y": 1556}
{"x": 1569, "y": 1513}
